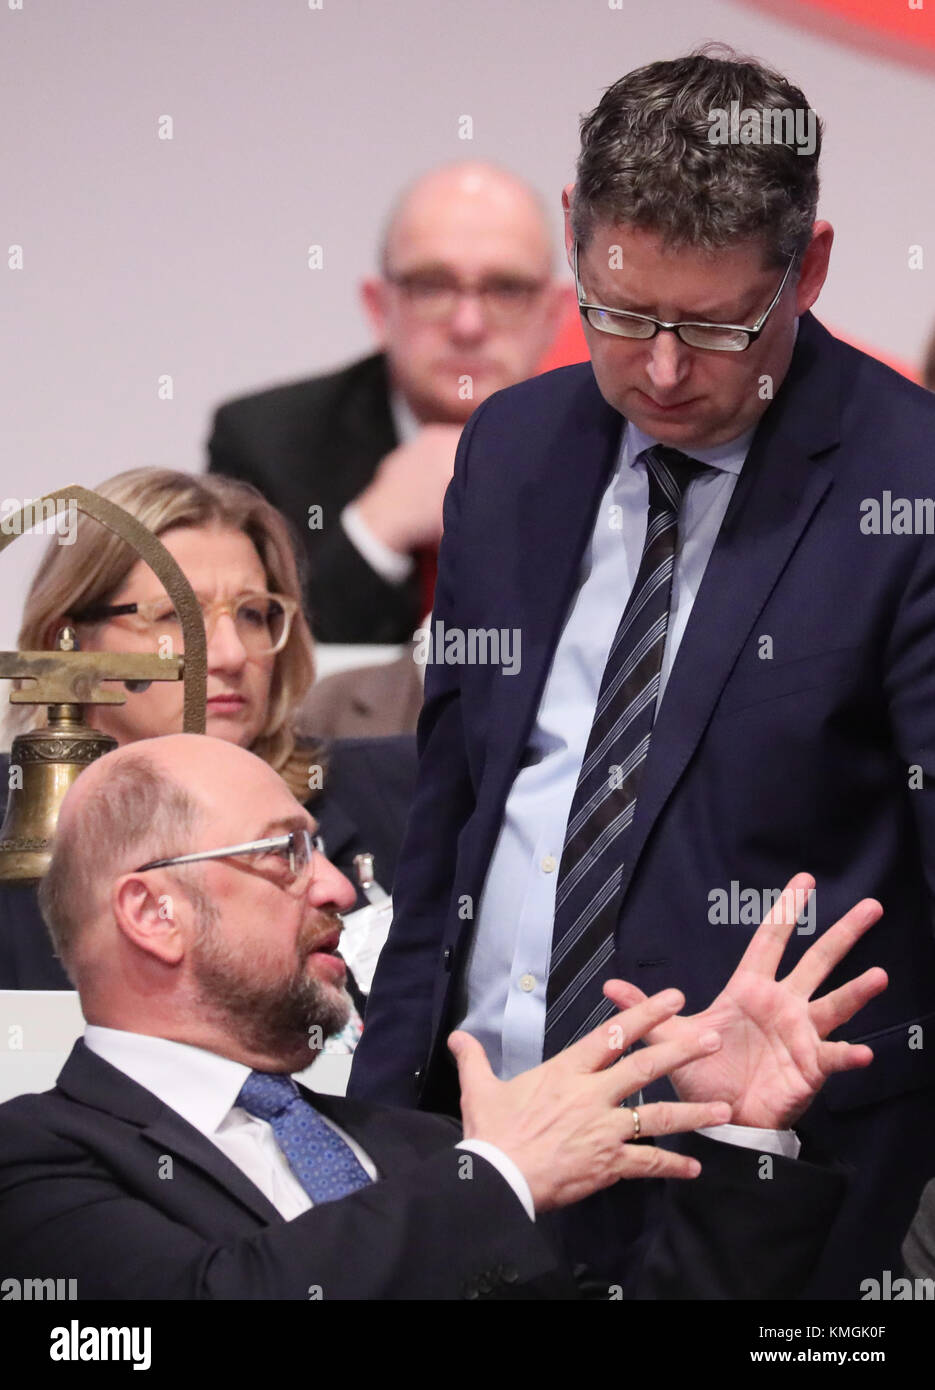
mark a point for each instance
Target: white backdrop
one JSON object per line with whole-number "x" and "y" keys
{"x": 291, "y": 126}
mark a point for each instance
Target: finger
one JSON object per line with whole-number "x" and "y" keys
{"x": 841, "y": 1056}
{"x": 647, "y": 1161}
{"x": 769, "y": 941}
{"x": 831, "y": 1010}
{"x": 623, "y": 993}
{"x": 473, "y": 1067}
{"x": 605, "y": 1044}
{"x": 680, "y": 1117}
{"x": 626, "y": 995}
{"x": 832, "y": 946}
{"x": 647, "y": 1064}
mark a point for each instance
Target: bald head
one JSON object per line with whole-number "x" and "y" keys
{"x": 471, "y": 198}
{"x": 231, "y": 952}
{"x": 123, "y": 809}
{"x": 465, "y": 305}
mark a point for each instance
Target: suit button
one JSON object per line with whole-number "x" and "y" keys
{"x": 446, "y": 957}
{"x": 417, "y": 1075}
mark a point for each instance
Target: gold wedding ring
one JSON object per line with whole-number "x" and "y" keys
{"x": 636, "y": 1125}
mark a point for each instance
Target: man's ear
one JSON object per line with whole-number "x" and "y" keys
{"x": 373, "y": 292}
{"x": 814, "y": 267}
{"x": 151, "y": 918}
{"x": 567, "y": 195}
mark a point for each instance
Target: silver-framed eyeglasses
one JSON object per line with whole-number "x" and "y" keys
{"x": 294, "y": 852}
{"x": 718, "y": 337}
{"x": 262, "y": 621}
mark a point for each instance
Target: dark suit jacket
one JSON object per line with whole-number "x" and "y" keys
{"x": 757, "y": 768}
{"x": 86, "y": 1190}
{"x": 320, "y": 442}
{"x": 362, "y": 807}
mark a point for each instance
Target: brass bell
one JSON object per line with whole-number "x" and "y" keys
{"x": 45, "y": 762}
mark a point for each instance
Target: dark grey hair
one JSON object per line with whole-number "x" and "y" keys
{"x": 648, "y": 158}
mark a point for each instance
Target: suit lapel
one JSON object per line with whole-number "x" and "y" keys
{"x": 561, "y": 500}
{"x": 90, "y": 1080}
{"x": 780, "y": 486}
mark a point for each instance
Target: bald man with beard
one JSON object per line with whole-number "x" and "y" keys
{"x": 464, "y": 305}
{"x": 177, "y": 1158}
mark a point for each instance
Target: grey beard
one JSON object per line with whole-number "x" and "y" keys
{"x": 288, "y": 1019}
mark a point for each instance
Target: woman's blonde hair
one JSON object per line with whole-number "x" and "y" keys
{"x": 72, "y": 577}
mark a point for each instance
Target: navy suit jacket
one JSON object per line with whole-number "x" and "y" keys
{"x": 758, "y": 767}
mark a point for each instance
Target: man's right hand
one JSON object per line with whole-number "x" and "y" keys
{"x": 402, "y": 506}
{"x": 561, "y": 1122}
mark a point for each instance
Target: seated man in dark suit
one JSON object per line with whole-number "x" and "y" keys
{"x": 359, "y": 459}
{"x": 177, "y": 1159}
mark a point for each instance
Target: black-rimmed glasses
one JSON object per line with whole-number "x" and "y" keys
{"x": 718, "y": 337}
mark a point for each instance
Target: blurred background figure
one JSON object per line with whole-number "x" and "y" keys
{"x": 235, "y": 550}
{"x": 359, "y": 460}
{"x": 367, "y": 701}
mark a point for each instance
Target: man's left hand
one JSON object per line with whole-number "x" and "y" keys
{"x": 774, "y": 1057}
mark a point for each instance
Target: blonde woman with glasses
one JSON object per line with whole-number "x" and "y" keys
{"x": 236, "y": 551}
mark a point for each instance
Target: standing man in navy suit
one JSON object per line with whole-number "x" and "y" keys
{"x": 727, "y": 644}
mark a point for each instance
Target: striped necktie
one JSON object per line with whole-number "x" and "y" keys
{"x": 323, "y": 1162}
{"x": 587, "y": 900}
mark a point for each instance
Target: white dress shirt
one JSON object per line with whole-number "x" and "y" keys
{"x": 203, "y": 1088}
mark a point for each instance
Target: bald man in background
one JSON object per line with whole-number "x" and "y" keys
{"x": 464, "y": 305}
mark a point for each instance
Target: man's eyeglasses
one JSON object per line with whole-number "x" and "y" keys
{"x": 433, "y": 295}
{"x": 293, "y": 854}
{"x": 719, "y": 337}
{"x": 263, "y": 621}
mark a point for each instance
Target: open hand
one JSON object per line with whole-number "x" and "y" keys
{"x": 561, "y": 1122}
{"x": 774, "y": 1057}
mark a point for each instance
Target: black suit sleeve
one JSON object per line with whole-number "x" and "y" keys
{"x": 442, "y": 1230}
{"x": 393, "y": 1051}
{"x": 752, "y": 1226}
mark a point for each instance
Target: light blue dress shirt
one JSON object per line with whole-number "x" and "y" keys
{"x": 508, "y": 964}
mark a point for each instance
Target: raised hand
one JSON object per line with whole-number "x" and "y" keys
{"x": 774, "y": 1057}
{"x": 561, "y": 1122}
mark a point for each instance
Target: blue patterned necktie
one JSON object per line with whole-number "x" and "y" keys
{"x": 321, "y": 1160}
{"x": 587, "y": 899}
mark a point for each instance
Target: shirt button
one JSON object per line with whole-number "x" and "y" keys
{"x": 527, "y": 983}
{"x": 549, "y": 864}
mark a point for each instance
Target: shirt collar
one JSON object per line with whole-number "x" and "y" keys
{"x": 405, "y": 422}
{"x": 200, "y": 1086}
{"x": 729, "y": 457}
